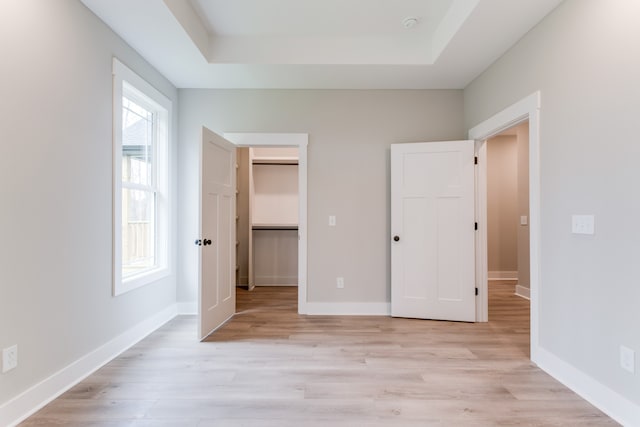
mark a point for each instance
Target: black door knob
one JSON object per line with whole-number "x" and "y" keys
{"x": 198, "y": 242}
{"x": 207, "y": 242}
{"x": 396, "y": 238}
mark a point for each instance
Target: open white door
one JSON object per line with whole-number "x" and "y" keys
{"x": 433, "y": 230}
{"x": 217, "y": 288}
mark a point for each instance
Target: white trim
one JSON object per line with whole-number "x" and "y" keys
{"x": 126, "y": 80}
{"x": 28, "y": 402}
{"x": 602, "y": 397}
{"x": 187, "y": 308}
{"x": 503, "y": 275}
{"x": 349, "y": 308}
{"x": 523, "y": 292}
{"x": 125, "y": 73}
{"x": 482, "y": 255}
{"x": 506, "y": 118}
{"x": 300, "y": 140}
{"x": 525, "y": 109}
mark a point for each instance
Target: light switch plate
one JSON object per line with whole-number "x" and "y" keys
{"x": 332, "y": 220}
{"x": 524, "y": 220}
{"x": 582, "y": 224}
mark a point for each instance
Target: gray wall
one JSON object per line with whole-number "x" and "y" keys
{"x": 584, "y": 59}
{"x": 56, "y": 191}
{"x": 348, "y": 171}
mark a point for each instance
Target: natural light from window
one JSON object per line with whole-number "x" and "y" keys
{"x": 141, "y": 211}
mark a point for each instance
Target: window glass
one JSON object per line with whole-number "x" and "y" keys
{"x": 141, "y": 174}
{"x": 138, "y": 231}
{"x": 137, "y": 143}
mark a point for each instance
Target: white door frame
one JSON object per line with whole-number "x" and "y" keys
{"x": 299, "y": 140}
{"x": 525, "y": 109}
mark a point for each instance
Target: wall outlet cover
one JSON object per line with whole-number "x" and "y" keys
{"x": 627, "y": 359}
{"x": 9, "y": 358}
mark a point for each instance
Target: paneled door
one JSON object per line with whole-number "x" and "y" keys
{"x": 433, "y": 230}
{"x": 217, "y": 287}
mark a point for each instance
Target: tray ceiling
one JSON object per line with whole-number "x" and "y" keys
{"x": 323, "y": 44}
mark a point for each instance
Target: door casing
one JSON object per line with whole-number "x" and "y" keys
{"x": 523, "y": 110}
{"x": 299, "y": 140}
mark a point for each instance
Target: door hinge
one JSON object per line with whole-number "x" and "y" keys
{"x": 475, "y": 160}
{"x": 476, "y": 291}
{"x": 475, "y": 225}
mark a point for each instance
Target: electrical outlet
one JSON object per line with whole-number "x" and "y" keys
{"x": 9, "y": 358}
{"x": 340, "y": 282}
{"x": 627, "y": 359}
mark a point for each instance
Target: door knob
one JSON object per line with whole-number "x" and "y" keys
{"x": 198, "y": 242}
{"x": 396, "y": 238}
{"x": 207, "y": 242}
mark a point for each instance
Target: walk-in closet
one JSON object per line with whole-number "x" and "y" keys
{"x": 267, "y": 217}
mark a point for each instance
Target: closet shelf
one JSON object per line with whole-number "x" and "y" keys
{"x": 274, "y": 226}
{"x": 275, "y": 161}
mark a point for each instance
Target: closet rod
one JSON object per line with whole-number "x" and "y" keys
{"x": 273, "y": 228}
{"x": 258, "y": 162}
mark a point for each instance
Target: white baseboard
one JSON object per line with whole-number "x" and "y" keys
{"x": 27, "y": 403}
{"x": 348, "y": 308}
{"x": 503, "y": 275}
{"x": 602, "y": 397}
{"x": 187, "y": 308}
{"x": 523, "y": 292}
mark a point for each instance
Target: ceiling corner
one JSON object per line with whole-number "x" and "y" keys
{"x": 189, "y": 19}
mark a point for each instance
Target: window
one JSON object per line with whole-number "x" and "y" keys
{"x": 141, "y": 215}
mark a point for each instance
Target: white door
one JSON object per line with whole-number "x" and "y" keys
{"x": 217, "y": 287}
{"x": 433, "y": 230}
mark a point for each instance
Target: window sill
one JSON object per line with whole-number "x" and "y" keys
{"x": 137, "y": 281}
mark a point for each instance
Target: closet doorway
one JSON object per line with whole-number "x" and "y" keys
{"x": 267, "y": 212}
{"x": 508, "y": 209}
{"x": 272, "y": 211}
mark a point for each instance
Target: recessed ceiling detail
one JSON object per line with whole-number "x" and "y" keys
{"x": 333, "y": 44}
{"x": 321, "y": 32}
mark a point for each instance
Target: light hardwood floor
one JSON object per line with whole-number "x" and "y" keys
{"x": 269, "y": 366}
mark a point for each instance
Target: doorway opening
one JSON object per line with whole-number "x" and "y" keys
{"x": 272, "y": 211}
{"x": 508, "y": 209}
{"x": 526, "y": 110}
{"x": 267, "y": 218}
{"x": 508, "y": 230}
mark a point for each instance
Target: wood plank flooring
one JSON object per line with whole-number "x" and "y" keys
{"x": 269, "y": 366}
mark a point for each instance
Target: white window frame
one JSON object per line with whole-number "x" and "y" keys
{"x": 127, "y": 81}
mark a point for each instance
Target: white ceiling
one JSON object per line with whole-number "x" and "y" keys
{"x": 321, "y": 44}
